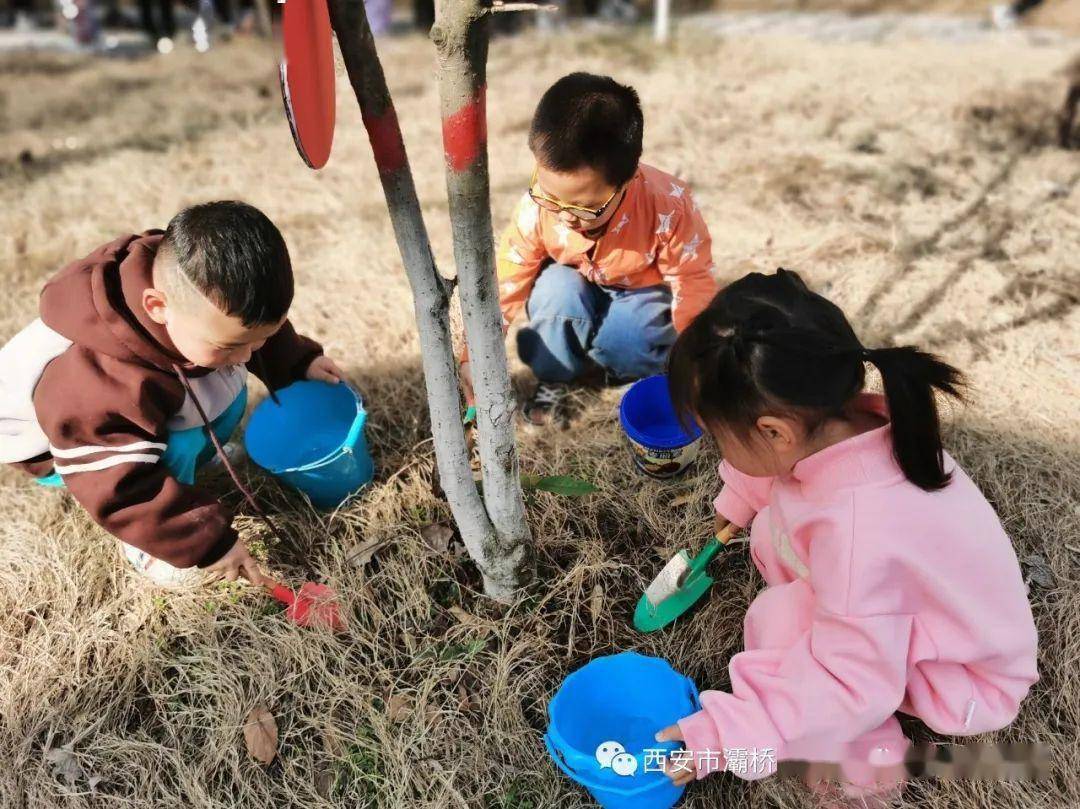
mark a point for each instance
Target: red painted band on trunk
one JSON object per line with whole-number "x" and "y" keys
{"x": 465, "y": 132}
{"x": 384, "y": 132}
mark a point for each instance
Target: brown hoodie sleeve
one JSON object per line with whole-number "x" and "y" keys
{"x": 284, "y": 358}
{"x": 106, "y": 423}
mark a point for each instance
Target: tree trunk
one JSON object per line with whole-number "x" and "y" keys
{"x": 430, "y": 297}
{"x": 461, "y": 38}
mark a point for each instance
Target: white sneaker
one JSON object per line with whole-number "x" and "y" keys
{"x": 1004, "y": 17}
{"x": 159, "y": 571}
{"x": 234, "y": 451}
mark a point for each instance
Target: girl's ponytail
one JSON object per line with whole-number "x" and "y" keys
{"x": 910, "y": 377}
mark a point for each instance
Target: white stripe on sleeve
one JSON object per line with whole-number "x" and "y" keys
{"x": 92, "y": 449}
{"x": 105, "y": 463}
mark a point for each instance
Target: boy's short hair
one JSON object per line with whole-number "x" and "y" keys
{"x": 235, "y": 256}
{"x": 588, "y": 120}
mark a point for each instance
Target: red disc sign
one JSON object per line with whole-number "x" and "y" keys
{"x": 307, "y": 78}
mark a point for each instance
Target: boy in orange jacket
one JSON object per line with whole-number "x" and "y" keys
{"x": 608, "y": 258}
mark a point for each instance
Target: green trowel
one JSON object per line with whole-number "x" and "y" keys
{"x": 679, "y": 585}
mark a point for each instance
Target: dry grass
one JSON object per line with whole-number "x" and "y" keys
{"x": 918, "y": 184}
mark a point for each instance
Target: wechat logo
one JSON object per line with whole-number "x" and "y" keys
{"x": 613, "y": 756}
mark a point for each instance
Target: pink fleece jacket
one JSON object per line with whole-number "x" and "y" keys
{"x": 880, "y": 597}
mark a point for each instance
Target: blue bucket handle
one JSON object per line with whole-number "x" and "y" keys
{"x": 559, "y": 757}
{"x": 356, "y": 430}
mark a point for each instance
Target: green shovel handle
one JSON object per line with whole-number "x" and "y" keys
{"x": 712, "y": 547}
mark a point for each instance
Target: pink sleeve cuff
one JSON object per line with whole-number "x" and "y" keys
{"x": 733, "y": 508}
{"x": 701, "y": 739}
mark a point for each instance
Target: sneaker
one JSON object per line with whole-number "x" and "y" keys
{"x": 546, "y": 403}
{"x": 234, "y": 451}
{"x": 158, "y": 571}
{"x": 1004, "y": 17}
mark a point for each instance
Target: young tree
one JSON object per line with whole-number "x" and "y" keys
{"x": 461, "y": 38}
{"x": 495, "y": 532}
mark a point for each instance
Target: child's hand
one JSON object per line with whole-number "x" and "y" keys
{"x": 720, "y": 524}
{"x": 684, "y": 772}
{"x": 465, "y": 375}
{"x": 324, "y": 369}
{"x": 236, "y": 563}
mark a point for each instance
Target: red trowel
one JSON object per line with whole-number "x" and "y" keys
{"x": 307, "y": 78}
{"x": 312, "y": 605}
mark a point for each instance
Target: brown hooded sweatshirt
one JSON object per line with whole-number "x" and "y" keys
{"x": 108, "y": 398}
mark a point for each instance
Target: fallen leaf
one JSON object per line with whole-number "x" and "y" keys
{"x": 564, "y": 485}
{"x": 466, "y": 702}
{"x": 453, "y": 674}
{"x": 437, "y": 537}
{"x": 261, "y": 734}
{"x": 398, "y": 708}
{"x": 64, "y": 763}
{"x": 324, "y": 782}
{"x": 596, "y": 603}
{"x": 363, "y": 552}
{"x": 93, "y": 781}
{"x": 464, "y": 617}
{"x": 682, "y": 500}
{"x": 1038, "y": 571}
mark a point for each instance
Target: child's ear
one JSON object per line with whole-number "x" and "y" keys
{"x": 156, "y": 304}
{"x": 781, "y": 434}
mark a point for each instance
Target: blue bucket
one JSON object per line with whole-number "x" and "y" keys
{"x": 659, "y": 445}
{"x": 313, "y": 440}
{"x": 625, "y": 698}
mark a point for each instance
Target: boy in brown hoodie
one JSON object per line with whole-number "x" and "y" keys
{"x": 92, "y": 395}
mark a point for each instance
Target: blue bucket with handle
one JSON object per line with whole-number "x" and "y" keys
{"x": 602, "y": 728}
{"x": 313, "y": 439}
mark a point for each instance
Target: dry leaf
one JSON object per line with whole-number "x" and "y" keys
{"x": 466, "y": 701}
{"x": 437, "y": 537}
{"x": 596, "y": 603}
{"x": 260, "y": 734}
{"x": 1038, "y": 571}
{"x": 64, "y": 763}
{"x": 463, "y": 617}
{"x": 682, "y": 500}
{"x": 363, "y": 552}
{"x": 398, "y": 708}
{"x": 324, "y": 782}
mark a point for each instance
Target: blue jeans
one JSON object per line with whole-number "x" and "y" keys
{"x": 627, "y": 332}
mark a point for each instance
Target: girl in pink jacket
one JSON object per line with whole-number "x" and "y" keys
{"x": 891, "y": 585}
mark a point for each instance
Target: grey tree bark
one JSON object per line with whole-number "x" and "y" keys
{"x": 504, "y": 563}
{"x": 461, "y": 38}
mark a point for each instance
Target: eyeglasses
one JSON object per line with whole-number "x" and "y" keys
{"x": 558, "y": 206}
